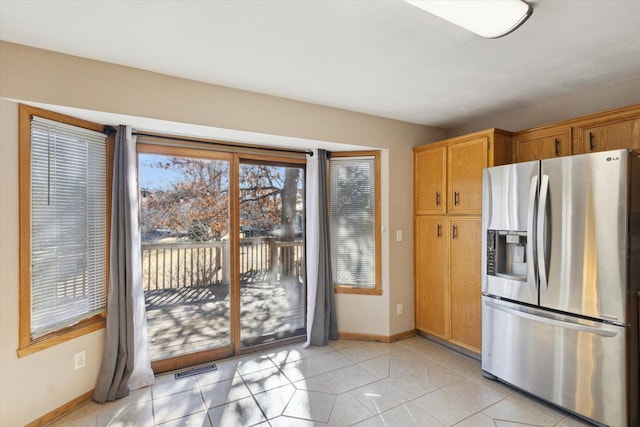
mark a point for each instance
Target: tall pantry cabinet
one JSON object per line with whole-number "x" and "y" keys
{"x": 447, "y": 233}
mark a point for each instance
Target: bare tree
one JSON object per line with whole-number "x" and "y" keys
{"x": 288, "y": 219}
{"x": 196, "y": 206}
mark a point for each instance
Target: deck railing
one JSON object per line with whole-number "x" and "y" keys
{"x": 178, "y": 265}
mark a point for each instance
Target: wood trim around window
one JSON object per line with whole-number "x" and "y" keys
{"x": 377, "y": 289}
{"x": 26, "y": 344}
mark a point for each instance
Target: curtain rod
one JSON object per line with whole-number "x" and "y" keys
{"x": 228, "y": 144}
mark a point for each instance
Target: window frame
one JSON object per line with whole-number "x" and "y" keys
{"x": 27, "y": 345}
{"x": 377, "y": 288}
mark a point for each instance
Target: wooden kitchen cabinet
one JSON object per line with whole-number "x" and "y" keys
{"x": 465, "y": 250}
{"x": 465, "y": 163}
{"x": 432, "y": 273}
{"x": 429, "y": 169}
{"x": 448, "y": 174}
{"x": 448, "y": 299}
{"x": 608, "y": 130}
{"x": 542, "y": 144}
{"x": 611, "y": 136}
{"x": 447, "y": 269}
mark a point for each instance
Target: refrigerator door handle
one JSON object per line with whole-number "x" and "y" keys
{"x": 541, "y": 233}
{"x": 550, "y": 321}
{"x": 532, "y": 278}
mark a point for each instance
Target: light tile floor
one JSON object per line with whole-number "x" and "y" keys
{"x": 413, "y": 382}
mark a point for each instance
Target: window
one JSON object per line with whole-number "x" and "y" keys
{"x": 355, "y": 221}
{"x": 64, "y": 222}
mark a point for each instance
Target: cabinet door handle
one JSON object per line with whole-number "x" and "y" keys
{"x": 437, "y": 198}
{"x": 591, "y": 146}
{"x": 439, "y": 231}
{"x": 456, "y": 198}
{"x": 454, "y": 232}
{"x": 557, "y": 147}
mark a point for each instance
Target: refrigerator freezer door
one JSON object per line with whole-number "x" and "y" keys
{"x": 509, "y": 195}
{"x": 582, "y": 247}
{"x": 571, "y": 362}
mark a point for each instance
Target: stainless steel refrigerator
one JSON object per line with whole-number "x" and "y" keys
{"x": 561, "y": 281}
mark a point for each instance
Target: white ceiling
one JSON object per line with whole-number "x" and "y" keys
{"x": 384, "y": 57}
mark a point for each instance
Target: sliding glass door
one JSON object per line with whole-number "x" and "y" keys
{"x": 210, "y": 292}
{"x": 272, "y": 278}
{"x": 184, "y": 219}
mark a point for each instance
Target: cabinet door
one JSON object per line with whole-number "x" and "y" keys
{"x": 612, "y": 136}
{"x": 431, "y": 275}
{"x": 465, "y": 163}
{"x": 538, "y": 147}
{"x": 465, "y": 259}
{"x": 429, "y": 181}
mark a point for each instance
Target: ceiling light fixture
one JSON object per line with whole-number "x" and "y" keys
{"x": 487, "y": 18}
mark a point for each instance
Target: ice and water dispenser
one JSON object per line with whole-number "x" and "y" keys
{"x": 507, "y": 254}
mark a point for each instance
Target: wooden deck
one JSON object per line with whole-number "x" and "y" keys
{"x": 189, "y": 319}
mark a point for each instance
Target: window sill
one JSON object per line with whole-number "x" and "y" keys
{"x": 341, "y": 289}
{"x": 86, "y": 326}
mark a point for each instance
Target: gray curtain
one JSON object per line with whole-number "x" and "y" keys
{"x": 325, "y": 324}
{"x": 125, "y": 363}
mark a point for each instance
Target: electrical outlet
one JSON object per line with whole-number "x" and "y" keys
{"x": 398, "y": 235}
{"x": 399, "y": 309}
{"x": 80, "y": 360}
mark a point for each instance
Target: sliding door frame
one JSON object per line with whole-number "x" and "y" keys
{"x": 235, "y": 159}
{"x": 270, "y": 160}
{"x": 189, "y": 359}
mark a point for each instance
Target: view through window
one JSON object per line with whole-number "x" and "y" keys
{"x": 201, "y": 282}
{"x": 272, "y": 295}
{"x": 184, "y": 219}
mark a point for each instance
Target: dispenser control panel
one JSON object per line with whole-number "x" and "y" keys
{"x": 506, "y": 254}
{"x": 491, "y": 252}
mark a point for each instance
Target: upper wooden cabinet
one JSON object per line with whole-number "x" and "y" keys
{"x": 465, "y": 163}
{"x": 611, "y": 136}
{"x": 430, "y": 181}
{"x": 448, "y": 174}
{"x": 608, "y": 130}
{"x": 542, "y": 144}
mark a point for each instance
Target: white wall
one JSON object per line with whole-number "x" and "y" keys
{"x": 34, "y": 385}
{"x": 558, "y": 109}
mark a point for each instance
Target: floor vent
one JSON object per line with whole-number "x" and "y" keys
{"x": 195, "y": 371}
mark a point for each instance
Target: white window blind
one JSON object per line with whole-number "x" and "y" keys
{"x": 68, "y": 225}
{"x": 353, "y": 221}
